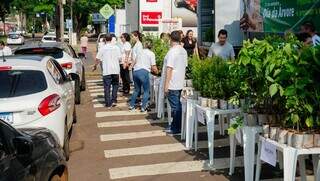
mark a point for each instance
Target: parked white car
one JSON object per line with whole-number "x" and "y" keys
{"x": 15, "y": 39}
{"x": 36, "y": 92}
{"x": 66, "y": 57}
{"x": 49, "y": 38}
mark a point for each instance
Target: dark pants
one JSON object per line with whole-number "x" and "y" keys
{"x": 125, "y": 76}
{"x": 176, "y": 110}
{"x": 108, "y": 81}
{"x": 141, "y": 80}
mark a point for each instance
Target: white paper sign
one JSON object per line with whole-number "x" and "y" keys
{"x": 201, "y": 114}
{"x": 269, "y": 153}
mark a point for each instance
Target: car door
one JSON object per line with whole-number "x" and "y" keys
{"x": 11, "y": 168}
{"x": 78, "y": 62}
{"x": 67, "y": 89}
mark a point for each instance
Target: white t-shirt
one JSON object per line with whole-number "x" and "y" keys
{"x": 125, "y": 47}
{"x": 145, "y": 60}
{"x": 177, "y": 58}
{"x": 225, "y": 51}
{"x": 316, "y": 40}
{"x": 110, "y": 55}
{"x": 136, "y": 49}
{"x": 6, "y": 51}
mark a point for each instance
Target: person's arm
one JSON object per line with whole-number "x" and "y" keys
{"x": 196, "y": 52}
{"x": 232, "y": 54}
{"x": 97, "y": 61}
{"x": 168, "y": 78}
{"x": 154, "y": 70}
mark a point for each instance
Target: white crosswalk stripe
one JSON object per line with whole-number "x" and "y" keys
{"x": 134, "y": 135}
{"x": 94, "y": 80}
{"x": 118, "y": 113}
{"x": 170, "y": 168}
{"x": 139, "y": 122}
{"x": 97, "y": 90}
{"x": 162, "y": 148}
{"x": 95, "y": 87}
{"x": 121, "y": 105}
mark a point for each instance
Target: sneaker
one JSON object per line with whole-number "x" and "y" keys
{"x": 172, "y": 133}
{"x": 131, "y": 108}
{"x": 143, "y": 110}
{"x": 109, "y": 107}
{"x": 114, "y": 104}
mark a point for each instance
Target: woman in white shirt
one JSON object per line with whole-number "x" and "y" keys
{"x": 126, "y": 61}
{"x": 142, "y": 66}
{"x": 137, "y": 48}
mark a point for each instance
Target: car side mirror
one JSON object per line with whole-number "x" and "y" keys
{"x": 23, "y": 145}
{"x": 81, "y": 55}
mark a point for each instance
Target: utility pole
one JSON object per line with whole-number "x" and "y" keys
{"x": 60, "y": 21}
{"x": 71, "y": 17}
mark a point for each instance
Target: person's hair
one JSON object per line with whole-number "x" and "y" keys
{"x": 175, "y": 36}
{"x": 2, "y": 43}
{"x": 303, "y": 36}
{"x": 223, "y": 32}
{"x": 137, "y": 34}
{"x": 113, "y": 35}
{"x": 187, "y": 34}
{"x": 108, "y": 37}
{"x": 148, "y": 43}
{"x": 309, "y": 25}
{"x": 126, "y": 36}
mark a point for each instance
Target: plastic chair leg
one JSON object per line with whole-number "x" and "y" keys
{"x": 302, "y": 167}
{"x": 233, "y": 146}
{"x": 316, "y": 167}
{"x": 258, "y": 164}
{"x": 290, "y": 162}
{"x": 210, "y": 128}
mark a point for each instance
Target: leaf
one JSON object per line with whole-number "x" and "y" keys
{"x": 276, "y": 72}
{"x": 270, "y": 79}
{"x": 295, "y": 118}
{"x": 309, "y": 122}
{"x": 281, "y": 90}
{"x": 290, "y": 91}
{"x": 273, "y": 89}
{"x": 309, "y": 108}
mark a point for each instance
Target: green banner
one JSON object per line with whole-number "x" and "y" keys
{"x": 282, "y": 15}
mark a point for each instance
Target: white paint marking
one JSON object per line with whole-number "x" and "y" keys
{"x": 95, "y": 87}
{"x": 94, "y": 81}
{"x": 119, "y": 113}
{"x": 113, "y": 124}
{"x": 134, "y": 135}
{"x": 170, "y": 167}
{"x": 162, "y": 148}
{"x": 96, "y": 90}
{"x": 121, "y": 105}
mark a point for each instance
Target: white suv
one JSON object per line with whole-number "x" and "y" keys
{"x": 36, "y": 92}
{"x": 66, "y": 57}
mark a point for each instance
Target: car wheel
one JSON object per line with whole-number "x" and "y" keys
{"x": 66, "y": 142}
{"x": 63, "y": 177}
{"x": 179, "y": 3}
{"x": 83, "y": 82}
{"x": 77, "y": 91}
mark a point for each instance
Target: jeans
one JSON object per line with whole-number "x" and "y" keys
{"x": 108, "y": 81}
{"x": 141, "y": 80}
{"x": 125, "y": 76}
{"x": 176, "y": 110}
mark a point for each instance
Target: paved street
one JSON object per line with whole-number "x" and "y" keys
{"x": 121, "y": 145}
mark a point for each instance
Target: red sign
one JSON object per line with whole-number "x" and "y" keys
{"x": 150, "y": 18}
{"x": 152, "y": 1}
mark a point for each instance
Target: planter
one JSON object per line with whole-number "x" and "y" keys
{"x": 223, "y": 104}
{"x": 290, "y": 138}
{"x": 213, "y": 103}
{"x": 297, "y": 140}
{"x": 262, "y": 119}
{"x": 203, "y": 101}
{"x": 196, "y": 95}
{"x": 274, "y": 133}
{"x": 266, "y": 130}
{"x": 283, "y": 136}
{"x": 316, "y": 140}
{"x": 251, "y": 119}
{"x": 189, "y": 83}
{"x": 307, "y": 140}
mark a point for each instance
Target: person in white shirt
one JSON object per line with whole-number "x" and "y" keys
{"x": 110, "y": 56}
{"x": 4, "y": 50}
{"x": 222, "y": 48}
{"x": 137, "y": 48}
{"x": 175, "y": 63}
{"x": 125, "y": 63}
{"x": 144, "y": 64}
{"x": 308, "y": 27}
{"x": 84, "y": 44}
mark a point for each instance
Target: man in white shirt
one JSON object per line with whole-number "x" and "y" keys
{"x": 175, "y": 64}
{"x": 308, "y": 27}
{"x": 110, "y": 56}
{"x": 222, "y": 48}
{"x": 4, "y": 50}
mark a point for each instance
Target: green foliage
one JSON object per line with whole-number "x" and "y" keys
{"x": 235, "y": 126}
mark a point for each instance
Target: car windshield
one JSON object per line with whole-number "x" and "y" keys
{"x": 14, "y": 36}
{"x": 16, "y": 83}
{"x": 49, "y": 51}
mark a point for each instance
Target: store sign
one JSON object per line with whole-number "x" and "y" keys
{"x": 281, "y": 15}
{"x": 152, "y": 1}
{"x": 150, "y": 18}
